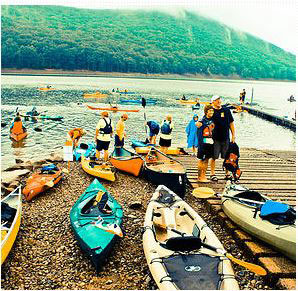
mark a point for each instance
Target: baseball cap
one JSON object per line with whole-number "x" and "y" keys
{"x": 124, "y": 115}
{"x": 215, "y": 97}
{"x": 105, "y": 114}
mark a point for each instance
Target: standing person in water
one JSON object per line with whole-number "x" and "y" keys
{"x": 166, "y": 128}
{"x": 205, "y": 142}
{"x": 192, "y": 136}
{"x": 242, "y": 96}
{"x": 224, "y": 124}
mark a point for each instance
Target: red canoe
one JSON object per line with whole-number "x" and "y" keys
{"x": 114, "y": 109}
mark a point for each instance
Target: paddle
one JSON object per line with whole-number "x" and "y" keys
{"x": 205, "y": 193}
{"x": 176, "y": 243}
{"x": 144, "y": 106}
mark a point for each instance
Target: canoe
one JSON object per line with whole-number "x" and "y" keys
{"x": 114, "y": 109}
{"x": 245, "y": 215}
{"x": 46, "y": 89}
{"x": 11, "y": 211}
{"x": 171, "y": 230}
{"x": 143, "y": 148}
{"x": 148, "y": 101}
{"x": 39, "y": 182}
{"x": 94, "y": 95}
{"x": 162, "y": 169}
{"x": 93, "y": 228}
{"x": 97, "y": 169}
{"x": 18, "y": 136}
{"x": 126, "y": 161}
{"x": 84, "y": 149}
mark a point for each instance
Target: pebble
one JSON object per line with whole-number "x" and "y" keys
{"x": 46, "y": 246}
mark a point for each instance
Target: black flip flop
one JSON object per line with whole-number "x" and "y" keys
{"x": 213, "y": 178}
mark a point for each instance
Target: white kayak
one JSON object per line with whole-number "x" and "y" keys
{"x": 244, "y": 207}
{"x": 172, "y": 241}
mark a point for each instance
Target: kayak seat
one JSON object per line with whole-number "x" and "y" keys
{"x": 251, "y": 195}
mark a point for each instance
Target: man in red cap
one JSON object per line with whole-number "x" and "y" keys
{"x": 103, "y": 135}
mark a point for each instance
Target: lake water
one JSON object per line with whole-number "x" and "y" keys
{"x": 21, "y": 92}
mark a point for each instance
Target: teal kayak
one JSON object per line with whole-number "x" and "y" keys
{"x": 95, "y": 229}
{"x": 58, "y": 117}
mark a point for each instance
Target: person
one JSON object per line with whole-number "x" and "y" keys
{"x": 166, "y": 128}
{"x": 34, "y": 112}
{"x": 224, "y": 124}
{"x": 183, "y": 97}
{"x": 49, "y": 86}
{"x": 197, "y": 102}
{"x": 205, "y": 142}
{"x": 120, "y": 131}
{"x": 75, "y": 135}
{"x": 103, "y": 135}
{"x": 242, "y": 96}
{"x": 154, "y": 130}
{"x": 17, "y": 125}
{"x": 192, "y": 136}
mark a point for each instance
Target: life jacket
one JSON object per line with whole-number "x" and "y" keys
{"x": 231, "y": 161}
{"x": 108, "y": 128}
{"x": 17, "y": 127}
{"x": 166, "y": 128}
{"x": 154, "y": 126}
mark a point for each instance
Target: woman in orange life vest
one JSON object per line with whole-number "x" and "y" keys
{"x": 17, "y": 125}
{"x": 205, "y": 142}
{"x": 75, "y": 135}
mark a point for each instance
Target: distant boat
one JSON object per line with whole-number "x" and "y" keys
{"x": 125, "y": 92}
{"x": 292, "y": 99}
{"x": 46, "y": 89}
{"x": 95, "y": 95}
{"x": 114, "y": 109}
{"x": 138, "y": 101}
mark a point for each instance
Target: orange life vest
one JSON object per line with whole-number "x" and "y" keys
{"x": 17, "y": 127}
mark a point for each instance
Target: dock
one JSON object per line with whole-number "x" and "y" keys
{"x": 272, "y": 173}
{"x": 291, "y": 124}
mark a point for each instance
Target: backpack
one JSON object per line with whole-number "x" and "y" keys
{"x": 231, "y": 161}
{"x": 108, "y": 128}
{"x": 165, "y": 128}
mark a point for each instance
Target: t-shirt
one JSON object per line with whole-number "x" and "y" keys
{"x": 153, "y": 126}
{"x": 205, "y": 132}
{"x": 75, "y": 133}
{"x": 222, "y": 118}
{"x": 167, "y": 136}
{"x": 120, "y": 129}
{"x": 102, "y": 124}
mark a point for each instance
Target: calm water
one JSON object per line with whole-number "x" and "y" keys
{"x": 20, "y": 91}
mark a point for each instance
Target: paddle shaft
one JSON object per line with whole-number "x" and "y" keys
{"x": 144, "y": 105}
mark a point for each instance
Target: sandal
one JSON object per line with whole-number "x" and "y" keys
{"x": 213, "y": 178}
{"x": 228, "y": 177}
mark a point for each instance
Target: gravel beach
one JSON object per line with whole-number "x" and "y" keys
{"x": 46, "y": 255}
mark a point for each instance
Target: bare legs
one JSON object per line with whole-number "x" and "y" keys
{"x": 202, "y": 167}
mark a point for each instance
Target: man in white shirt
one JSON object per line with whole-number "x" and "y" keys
{"x": 103, "y": 135}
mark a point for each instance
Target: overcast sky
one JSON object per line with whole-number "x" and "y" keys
{"x": 271, "y": 20}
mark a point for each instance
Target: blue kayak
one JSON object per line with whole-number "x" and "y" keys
{"x": 137, "y": 143}
{"x": 138, "y": 101}
{"x": 125, "y": 92}
{"x": 87, "y": 150}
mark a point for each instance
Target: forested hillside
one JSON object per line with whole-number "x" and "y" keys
{"x": 54, "y": 37}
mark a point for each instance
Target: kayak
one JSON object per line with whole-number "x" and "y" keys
{"x": 148, "y": 101}
{"x": 195, "y": 107}
{"x": 46, "y": 89}
{"x": 162, "y": 169}
{"x": 57, "y": 117}
{"x": 11, "y": 211}
{"x": 114, "y": 109}
{"x": 97, "y": 169}
{"x": 39, "y": 182}
{"x": 143, "y": 148}
{"x": 172, "y": 242}
{"x": 95, "y": 230}
{"x": 94, "y": 95}
{"x": 193, "y": 102}
{"x": 126, "y": 161}
{"x": 125, "y": 92}
{"x": 246, "y": 208}
{"x": 84, "y": 149}
{"x": 18, "y": 136}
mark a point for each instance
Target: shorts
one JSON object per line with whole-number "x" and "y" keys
{"x": 118, "y": 142}
{"x": 102, "y": 145}
{"x": 220, "y": 147}
{"x": 165, "y": 142}
{"x": 206, "y": 151}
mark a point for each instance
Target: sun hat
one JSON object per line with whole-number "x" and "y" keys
{"x": 214, "y": 97}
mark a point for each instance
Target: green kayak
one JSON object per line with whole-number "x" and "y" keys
{"x": 95, "y": 229}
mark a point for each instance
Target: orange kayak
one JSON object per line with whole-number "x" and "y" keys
{"x": 95, "y": 95}
{"x": 40, "y": 182}
{"x": 114, "y": 109}
{"x": 126, "y": 161}
{"x": 46, "y": 89}
{"x": 18, "y": 136}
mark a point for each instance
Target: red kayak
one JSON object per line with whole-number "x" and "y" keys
{"x": 114, "y": 109}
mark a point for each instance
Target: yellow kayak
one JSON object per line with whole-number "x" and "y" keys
{"x": 193, "y": 102}
{"x": 175, "y": 151}
{"x": 11, "y": 209}
{"x": 46, "y": 89}
{"x": 94, "y": 95}
{"x": 96, "y": 169}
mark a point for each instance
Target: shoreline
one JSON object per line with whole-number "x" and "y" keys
{"x": 86, "y": 73}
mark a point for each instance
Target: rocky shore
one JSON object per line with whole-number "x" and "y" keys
{"x": 46, "y": 255}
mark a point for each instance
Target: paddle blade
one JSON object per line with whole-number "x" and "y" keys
{"x": 252, "y": 267}
{"x": 65, "y": 171}
{"x": 143, "y": 102}
{"x": 50, "y": 184}
{"x": 203, "y": 192}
